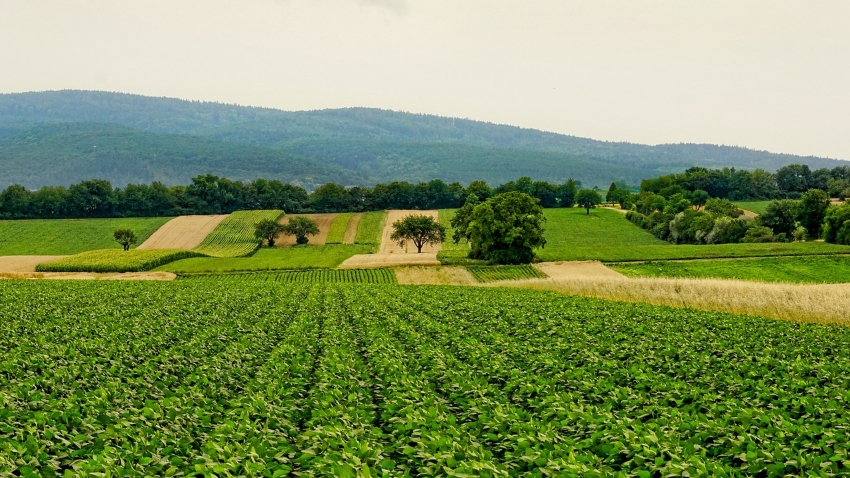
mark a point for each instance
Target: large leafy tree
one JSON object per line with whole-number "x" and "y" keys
{"x": 418, "y": 229}
{"x": 267, "y": 230}
{"x": 505, "y": 229}
{"x": 780, "y": 216}
{"x": 812, "y": 211}
{"x": 301, "y": 227}
{"x": 588, "y": 199}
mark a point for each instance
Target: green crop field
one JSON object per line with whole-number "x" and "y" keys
{"x": 316, "y": 276}
{"x": 370, "y": 228}
{"x": 757, "y": 207}
{"x": 337, "y": 232}
{"x": 804, "y": 270}
{"x": 70, "y": 236}
{"x": 115, "y": 260}
{"x": 234, "y": 236}
{"x": 276, "y": 258}
{"x": 211, "y": 377}
{"x": 606, "y": 235}
{"x": 497, "y": 273}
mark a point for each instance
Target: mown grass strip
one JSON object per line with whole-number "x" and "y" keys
{"x": 497, "y": 273}
{"x": 371, "y": 227}
{"x": 234, "y": 236}
{"x": 336, "y": 235}
{"x": 116, "y": 260}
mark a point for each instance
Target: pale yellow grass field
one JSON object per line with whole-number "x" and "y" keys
{"x": 24, "y": 263}
{"x": 804, "y": 303}
{"x": 157, "y": 276}
{"x": 445, "y": 275}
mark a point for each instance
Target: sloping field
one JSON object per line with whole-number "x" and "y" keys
{"x": 115, "y": 260}
{"x": 124, "y": 276}
{"x": 213, "y": 377}
{"x": 184, "y": 232}
{"x": 575, "y": 269}
{"x": 24, "y": 263}
{"x": 430, "y": 275}
{"x": 339, "y": 227}
{"x": 324, "y": 221}
{"x": 234, "y": 236}
{"x": 390, "y": 254}
{"x": 70, "y": 236}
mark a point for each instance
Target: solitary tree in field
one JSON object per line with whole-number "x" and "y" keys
{"x": 267, "y": 230}
{"x": 125, "y": 237}
{"x": 418, "y": 229}
{"x": 505, "y": 229}
{"x": 588, "y": 199}
{"x": 301, "y": 227}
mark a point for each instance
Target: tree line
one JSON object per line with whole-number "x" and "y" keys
{"x": 210, "y": 194}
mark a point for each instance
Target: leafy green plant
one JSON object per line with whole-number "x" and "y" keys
{"x": 116, "y": 260}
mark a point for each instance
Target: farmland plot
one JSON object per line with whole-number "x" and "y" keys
{"x": 383, "y": 380}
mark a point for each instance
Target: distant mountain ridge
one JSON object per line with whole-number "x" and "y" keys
{"x": 44, "y": 140}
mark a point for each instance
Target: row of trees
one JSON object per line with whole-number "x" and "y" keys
{"x": 789, "y": 182}
{"x": 719, "y": 221}
{"x": 211, "y": 194}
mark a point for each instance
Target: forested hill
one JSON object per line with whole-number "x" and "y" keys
{"x": 44, "y": 140}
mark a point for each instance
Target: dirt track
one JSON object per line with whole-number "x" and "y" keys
{"x": 574, "y": 269}
{"x": 24, "y": 263}
{"x": 184, "y": 232}
{"x": 323, "y": 220}
{"x": 351, "y": 229}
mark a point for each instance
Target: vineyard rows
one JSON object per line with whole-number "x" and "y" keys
{"x": 214, "y": 377}
{"x": 234, "y": 236}
{"x": 315, "y": 276}
{"x": 497, "y": 273}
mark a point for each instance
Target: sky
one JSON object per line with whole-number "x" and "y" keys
{"x": 764, "y": 74}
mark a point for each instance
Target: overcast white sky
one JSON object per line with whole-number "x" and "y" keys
{"x": 768, "y": 74}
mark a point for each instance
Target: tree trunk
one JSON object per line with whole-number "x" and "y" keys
{"x": 271, "y": 242}
{"x": 126, "y": 247}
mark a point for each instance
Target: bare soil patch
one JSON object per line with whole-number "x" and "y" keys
{"x": 351, "y": 229}
{"x": 183, "y": 232}
{"x": 159, "y": 276}
{"x": 24, "y": 263}
{"x": 572, "y": 269}
{"x": 421, "y": 275}
{"x": 324, "y": 222}
{"x": 364, "y": 261}
{"x": 749, "y": 214}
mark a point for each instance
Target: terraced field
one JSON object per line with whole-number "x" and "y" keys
{"x": 211, "y": 377}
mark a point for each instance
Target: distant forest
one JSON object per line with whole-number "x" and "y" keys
{"x": 211, "y": 194}
{"x": 64, "y": 137}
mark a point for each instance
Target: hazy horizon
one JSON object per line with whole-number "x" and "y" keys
{"x": 764, "y": 75}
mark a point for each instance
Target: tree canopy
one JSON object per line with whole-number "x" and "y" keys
{"x": 301, "y": 227}
{"x": 418, "y": 229}
{"x": 268, "y": 230}
{"x": 125, "y": 237}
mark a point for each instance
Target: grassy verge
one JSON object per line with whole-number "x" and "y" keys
{"x": 55, "y": 237}
{"x": 371, "y": 227}
{"x": 498, "y": 273}
{"x": 116, "y": 260}
{"x": 277, "y": 258}
{"x": 234, "y": 236}
{"x": 801, "y": 270}
{"x": 340, "y": 224}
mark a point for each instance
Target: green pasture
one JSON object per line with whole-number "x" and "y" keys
{"x": 338, "y": 227}
{"x": 70, "y": 236}
{"x": 802, "y": 270}
{"x": 370, "y": 228}
{"x": 757, "y": 207}
{"x": 275, "y": 258}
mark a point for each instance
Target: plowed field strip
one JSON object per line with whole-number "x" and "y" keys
{"x": 184, "y": 232}
{"x": 324, "y": 221}
{"x": 24, "y": 263}
{"x": 388, "y": 246}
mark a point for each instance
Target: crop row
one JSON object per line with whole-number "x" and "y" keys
{"x": 216, "y": 377}
{"x": 312, "y": 276}
{"x": 116, "y": 260}
{"x": 234, "y": 236}
{"x": 336, "y": 235}
{"x": 497, "y": 273}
